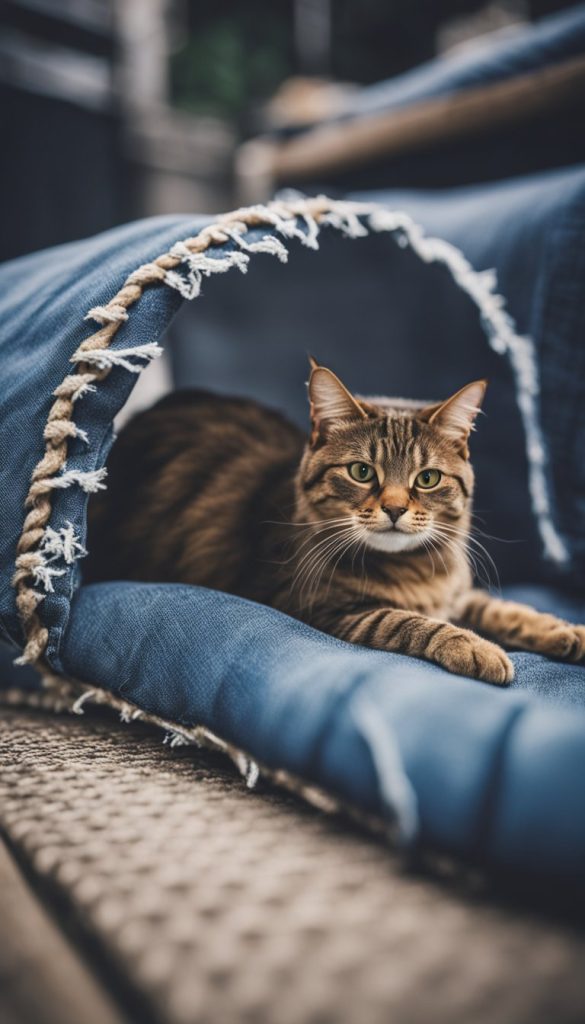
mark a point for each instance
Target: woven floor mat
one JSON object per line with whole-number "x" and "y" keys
{"x": 204, "y": 903}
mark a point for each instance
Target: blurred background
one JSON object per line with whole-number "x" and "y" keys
{"x": 118, "y": 109}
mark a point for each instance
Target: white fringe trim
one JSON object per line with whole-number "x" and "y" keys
{"x": 44, "y": 574}
{"x": 56, "y": 544}
{"x": 200, "y": 265}
{"x": 268, "y": 244}
{"x": 108, "y": 357}
{"x": 62, "y": 543}
{"x": 107, "y": 314}
{"x": 90, "y": 482}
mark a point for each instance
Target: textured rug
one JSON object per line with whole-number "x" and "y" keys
{"x": 197, "y": 901}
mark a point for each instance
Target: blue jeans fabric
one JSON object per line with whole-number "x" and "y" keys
{"x": 43, "y": 301}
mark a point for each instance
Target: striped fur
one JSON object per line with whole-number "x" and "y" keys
{"x": 225, "y": 493}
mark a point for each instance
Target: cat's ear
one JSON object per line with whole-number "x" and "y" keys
{"x": 456, "y": 417}
{"x": 330, "y": 402}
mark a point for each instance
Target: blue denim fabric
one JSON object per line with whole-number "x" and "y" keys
{"x": 43, "y": 301}
{"x": 489, "y": 774}
{"x": 502, "y": 55}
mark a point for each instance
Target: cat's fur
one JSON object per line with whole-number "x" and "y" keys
{"x": 225, "y": 493}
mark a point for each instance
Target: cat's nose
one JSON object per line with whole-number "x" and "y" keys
{"x": 394, "y": 511}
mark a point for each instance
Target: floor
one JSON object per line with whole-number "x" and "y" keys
{"x": 144, "y": 883}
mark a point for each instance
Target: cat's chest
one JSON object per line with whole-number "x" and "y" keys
{"x": 434, "y": 594}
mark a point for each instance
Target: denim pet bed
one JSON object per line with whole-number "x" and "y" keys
{"x": 492, "y": 776}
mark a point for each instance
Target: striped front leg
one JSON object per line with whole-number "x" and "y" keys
{"x": 392, "y": 629}
{"x": 518, "y": 625}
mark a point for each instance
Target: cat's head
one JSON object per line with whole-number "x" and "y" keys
{"x": 396, "y": 471}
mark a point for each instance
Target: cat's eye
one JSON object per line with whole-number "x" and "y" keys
{"x": 428, "y": 478}
{"x": 361, "y": 471}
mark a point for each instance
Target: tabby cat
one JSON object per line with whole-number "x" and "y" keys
{"x": 362, "y": 530}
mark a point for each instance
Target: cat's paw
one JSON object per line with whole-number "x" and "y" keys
{"x": 565, "y": 641}
{"x": 555, "y": 638}
{"x": 466, "y": 654}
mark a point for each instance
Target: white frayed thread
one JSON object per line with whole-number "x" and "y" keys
{"x": 85, "y": 388}
{"x": 247, "y": 768}
{"x": 60, "y": 430}
{"x": 284, "y": 217}
{"x": 268, "y": 244}
{"x": 113, "y": 314}
{"x": 284, "y": 220}
{"x": 347, "y": 222}
{"x": 75, "y": 386}
{"x": 90, "y": 482}
{"x": 77, "y": 706}
{"x": 104, "y": 358}
{"x": 55, "y": 544}
{"x": 80, "y": 433}
{"x": 200, "y": 266}
{"x": 44, "y": 574}
{"x": 62, "y": 543}
{"x": 175, "y": 739}
{"x": 502, "y": 337}
{"x": 252, "y": 775}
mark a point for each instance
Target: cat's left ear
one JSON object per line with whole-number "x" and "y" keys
{"x": 456, "y": 417}
{"x": 330, "y": 402}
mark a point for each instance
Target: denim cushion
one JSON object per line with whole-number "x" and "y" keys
{"x": 479, "y": 772}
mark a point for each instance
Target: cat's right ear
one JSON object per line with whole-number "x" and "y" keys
{"x": 330, "y": 402}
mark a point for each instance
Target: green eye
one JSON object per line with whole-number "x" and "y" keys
{"x": 361, "y": 472}
{"x": 428, "y": 478}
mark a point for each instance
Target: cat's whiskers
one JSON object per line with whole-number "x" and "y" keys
{"x": 478, "y": 556}
{"x": 319, "y": 549}
{"x": 429, "y": 548}
{"x": 323, "y": 526}
{"x": 332, "y": 534}
{"x": 314, "y": 562}
{"x": 345, "y": 550}
{"x": 457, "y": 545}
{"x": 311, "y": 579}
{"x": 315, "y": 568}
{"x": 307, "y": 523}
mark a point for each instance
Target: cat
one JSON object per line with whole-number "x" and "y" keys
{"x": 361, "y": 530}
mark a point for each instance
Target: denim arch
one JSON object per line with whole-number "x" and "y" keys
{"x": 46, "y": 553}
